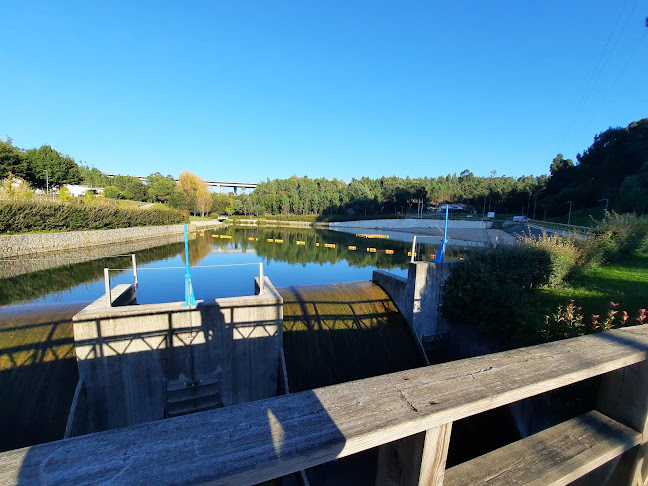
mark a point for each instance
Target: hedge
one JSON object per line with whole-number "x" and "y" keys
{"x": 21, "y": 216}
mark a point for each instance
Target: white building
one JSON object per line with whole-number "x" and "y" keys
{"x": 79, "y": 191}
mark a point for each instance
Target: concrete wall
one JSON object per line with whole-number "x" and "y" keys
{"x": 14, "y": 245}
{"x": 28, "y": 244}
{"x": 396, "y": 287}
{"x": 43, "y": 261}
{"x": 127, "y": 355}
{"x": 419, "y": 296}
{"x": 424, "y": 286}
{"x": 77, "y": 423}
{"x": 410, "y": 223}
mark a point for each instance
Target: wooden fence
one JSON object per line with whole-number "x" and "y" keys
{"x": 409, "y": 415}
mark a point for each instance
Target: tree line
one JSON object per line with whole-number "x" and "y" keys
{"x": 612, "y": 172}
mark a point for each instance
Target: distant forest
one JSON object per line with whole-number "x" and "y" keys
{"x": 612, "y": 172}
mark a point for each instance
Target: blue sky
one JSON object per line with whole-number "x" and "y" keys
{"x": 266, "y": 89}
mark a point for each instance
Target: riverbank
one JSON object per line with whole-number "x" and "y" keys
{"x": 275, "y": 223}
{"x": 12, "y": 246}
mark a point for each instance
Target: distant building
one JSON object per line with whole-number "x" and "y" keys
{"x": 452, "y": 207}
{"x": 79, "y": 191}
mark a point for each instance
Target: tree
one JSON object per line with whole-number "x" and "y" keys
{"x": 93, "y": 177}
{"x": 47, "y": 165}
{"x": 12, "y": 160}
{"x": 560, "y": 163}
{"x": 111, "y": 192}
{"x": 190, "y": 184}
{"x": 203, "y": 200}
{"x": 220, "y": 203}
{"x": 131, "y": 187}
{"x": 159, "y": 187}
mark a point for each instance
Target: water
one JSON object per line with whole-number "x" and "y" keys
{"x": 161, "y": 269}
{"x": 37, "y": 365}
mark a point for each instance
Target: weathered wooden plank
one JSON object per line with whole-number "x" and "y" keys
{"x": 399, "y": 462}
{"x": 250, "y": 443}
{"x": 555, "y": 456}
{"x": 623, "y": 396}
{"x": 415, "y": 460}
{"x": 435, "y": 454}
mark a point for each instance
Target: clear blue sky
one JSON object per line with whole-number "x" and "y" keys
{"x": 237, "y": 90}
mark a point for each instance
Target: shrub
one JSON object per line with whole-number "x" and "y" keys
{"x": 491, "y": 287}
{"x": 19, "y": 216}
{"x": 616, "y": 236}
{"x": 563, "y": 255}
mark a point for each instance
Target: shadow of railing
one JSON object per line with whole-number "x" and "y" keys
{"x": 343, "y": 332}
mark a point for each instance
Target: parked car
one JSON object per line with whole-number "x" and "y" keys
{"x": 520, "y": 219}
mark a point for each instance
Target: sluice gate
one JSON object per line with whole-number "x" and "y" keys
{"x": 343, "y": 332}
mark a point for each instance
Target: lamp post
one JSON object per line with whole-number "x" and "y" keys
{"x": 545, "y": 212}
{"x": 535, "y": 204}
{"x": 569, "y": 217}
{"x": 607, "y": 201}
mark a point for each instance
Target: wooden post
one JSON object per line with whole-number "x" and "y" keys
{"x": 416, "y": 460}
{"x": 623, "y": 396}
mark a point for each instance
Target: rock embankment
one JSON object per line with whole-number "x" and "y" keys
{"x": 30, "y": 244}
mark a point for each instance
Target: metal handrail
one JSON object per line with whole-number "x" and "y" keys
{"x": 134, "y": 267}
{"x": 558, "y": 226}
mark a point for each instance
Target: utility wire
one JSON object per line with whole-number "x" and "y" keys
{"x": 600, "y": 66}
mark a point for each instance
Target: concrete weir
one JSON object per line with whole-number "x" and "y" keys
{"x": 419, "y": 299}
{"x": 139, "y": 363}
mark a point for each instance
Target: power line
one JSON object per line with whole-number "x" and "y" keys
{"x": 600, "y": 66}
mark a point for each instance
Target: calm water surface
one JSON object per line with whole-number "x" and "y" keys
{"x": 161, "y": 269}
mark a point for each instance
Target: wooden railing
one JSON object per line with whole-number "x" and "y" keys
{"x": 409, "y": 415}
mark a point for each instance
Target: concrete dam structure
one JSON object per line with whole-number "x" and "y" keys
{"x": 342, "y": 332}
{"x": 139, "y": 363}
{"x": 218, "y": 374}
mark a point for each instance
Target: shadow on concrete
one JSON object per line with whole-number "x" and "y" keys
{"x": 343, "y": 332}
{"x": 38, "y": 374}
{"x": 139, "y": 360}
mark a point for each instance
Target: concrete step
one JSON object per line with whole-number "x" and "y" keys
{"x": 189, "y": 396}
{"x": 193, "y": 406}
{"x": 185, "y": 383}
{"x": 192, "y": 394}
{"x": 192, "y": 390}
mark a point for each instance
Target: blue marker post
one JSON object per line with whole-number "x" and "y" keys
{"x": 441, "y": 253}
{"x": 189, "y": 295}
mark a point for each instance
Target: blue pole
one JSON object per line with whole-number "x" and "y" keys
{"x": 189, "y": 295}
{"x": 441, "y": 253}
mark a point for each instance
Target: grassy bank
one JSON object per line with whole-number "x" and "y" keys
{"x": 624, "y": 282}
{"x": 555, "y": 287}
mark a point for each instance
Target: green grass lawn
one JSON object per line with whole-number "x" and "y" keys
{"x": 624, "y": 282}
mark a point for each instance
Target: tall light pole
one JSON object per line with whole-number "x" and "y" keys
{"x": 606, "y": 203}
{"x": 569, "y": 217}
{"x": 544, "y": 218}
{"x": 535, "y": 204}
